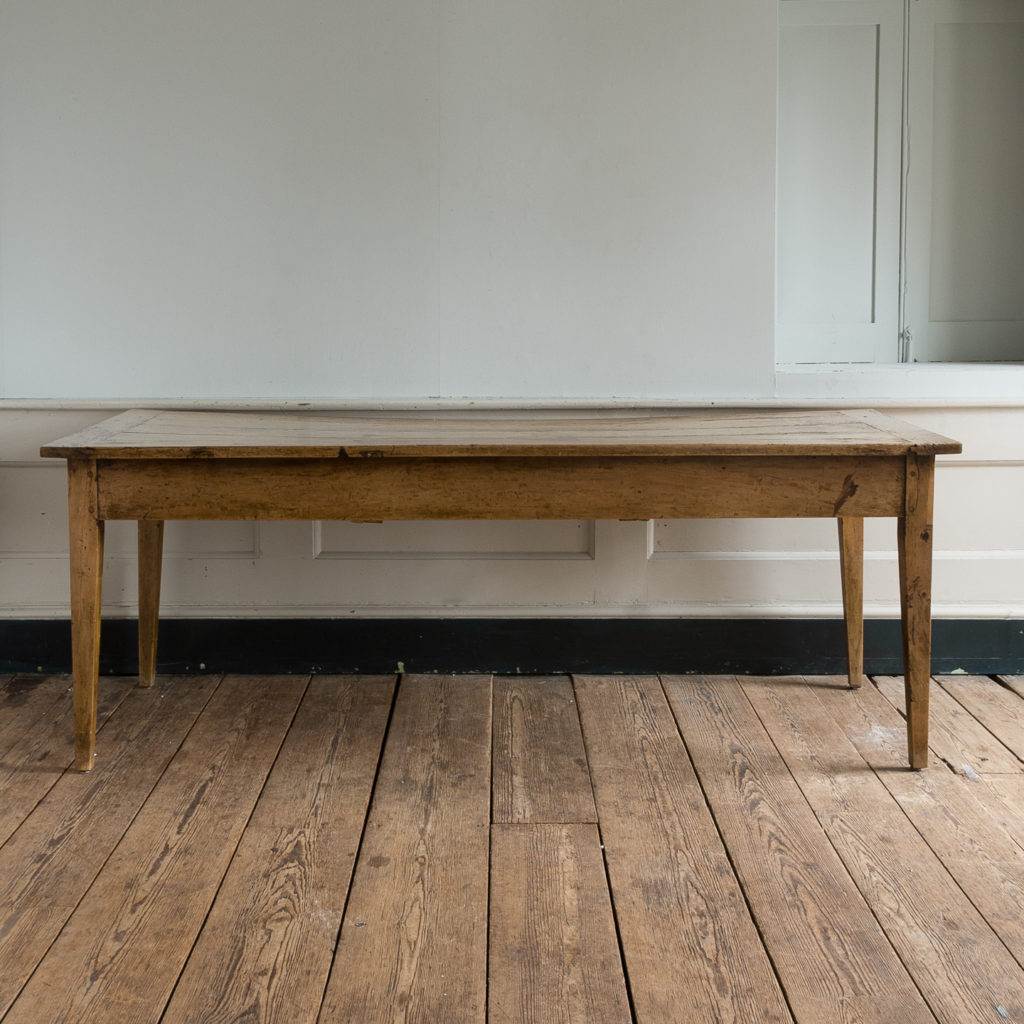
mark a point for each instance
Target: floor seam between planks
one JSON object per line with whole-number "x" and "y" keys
{"x": 362, "y": 832}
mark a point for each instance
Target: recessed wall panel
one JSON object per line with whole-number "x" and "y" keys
{"x": 189, "y": 540}
{"x": 33, "y": 510}
{"x": 455, "y": 540}
{"x": 977, "y": 254}
{"x": 838, "y": 197}
{"x": 964, "y": 283}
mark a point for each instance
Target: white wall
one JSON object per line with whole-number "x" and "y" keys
{"x": 344, "y": 198}
{"x": 552, "y": 199}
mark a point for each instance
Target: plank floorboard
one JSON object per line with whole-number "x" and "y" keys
{"x": 1004, "y": 799}
{"x": 120, "y": 953}
{"x": 25, "y": 700}
{"x": 956, "y": 737}
{"x": 677, "y": 900}
{"x": 413, "y": 943}
{"x": 266, "y": 948}
{"x": 948, "y": 810}
{"x": 279, "y": 850}
{"x": 1015, "y": 683}
{"x": 67, "y": 839}
{"x": 553, "y": 954}
{"x": 998, "y": 708}
{"x": 42, "y": 755}
{"x": 833, "y": 959}
{"x": 959, "y": 964}
{"x": 540, "y": 765}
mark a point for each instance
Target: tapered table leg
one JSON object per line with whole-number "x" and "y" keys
{"x": 151, "y": 545}
{"x": 914, "y": 543}
{"x": 851, "y": 568}
{"x": 86, "y": 551}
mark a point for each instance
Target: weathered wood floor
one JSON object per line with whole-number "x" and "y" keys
{"x": 434, "y": 849}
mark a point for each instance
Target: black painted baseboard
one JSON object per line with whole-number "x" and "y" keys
{"x": 516, "y": 646}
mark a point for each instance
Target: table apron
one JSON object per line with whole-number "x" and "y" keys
{"x": 574, "y": 487}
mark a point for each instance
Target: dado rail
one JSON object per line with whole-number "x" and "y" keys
{"x": 153, "y": 466}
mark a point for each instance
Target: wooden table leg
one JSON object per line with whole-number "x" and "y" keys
{"x": 151, "y": 547}
{"x": 86, "y": 551}
{"x": 851, "y": 568}
{"x": 914, "y": 544}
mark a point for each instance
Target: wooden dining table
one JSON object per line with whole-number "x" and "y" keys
{"x": 151, "y": 466}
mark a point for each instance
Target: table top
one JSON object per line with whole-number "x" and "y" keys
{"x": 149, "y": 434}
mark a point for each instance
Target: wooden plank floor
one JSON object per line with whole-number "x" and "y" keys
{"x": 660, "y": 850}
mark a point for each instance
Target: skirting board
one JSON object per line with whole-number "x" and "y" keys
{"x": 516, "y": 646}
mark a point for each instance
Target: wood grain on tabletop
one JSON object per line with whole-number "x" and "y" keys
{"x": 151, "y": 434}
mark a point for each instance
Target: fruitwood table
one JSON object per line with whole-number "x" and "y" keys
{"x": 153, "y": 466}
